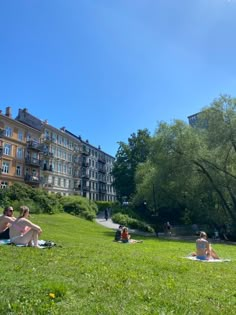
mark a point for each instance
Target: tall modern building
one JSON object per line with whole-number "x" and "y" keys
{"x": 51, "y": 158}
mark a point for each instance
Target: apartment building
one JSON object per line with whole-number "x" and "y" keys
{"x": 19, "y": 152}
{"x": 54, "y": 159}
{"x": 92, "y": 171}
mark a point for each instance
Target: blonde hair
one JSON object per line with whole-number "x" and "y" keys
{"x": 23, "y": 210}
{"x": 203, "y": 234}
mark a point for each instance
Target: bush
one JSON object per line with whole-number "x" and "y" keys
{"x": 79, "y": 206}
{"x": 125, "y": 220}
{"x": 38, "y": 200}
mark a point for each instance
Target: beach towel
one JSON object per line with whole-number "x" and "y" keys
{"x": 194, "y": 258}
{"x": 5, "y": 242}
{"x": 42, "y": 244}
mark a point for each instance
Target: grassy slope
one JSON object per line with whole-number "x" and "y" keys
{"x": 90, "y": 274}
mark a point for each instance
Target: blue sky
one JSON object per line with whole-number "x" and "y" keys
{"x": 106, "y": 68}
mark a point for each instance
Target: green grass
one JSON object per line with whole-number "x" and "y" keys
{"x": 91, "y": 274}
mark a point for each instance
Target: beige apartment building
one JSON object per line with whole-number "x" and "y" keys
{"x": 51, "y": 158}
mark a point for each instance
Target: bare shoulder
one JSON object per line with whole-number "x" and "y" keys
{"x": 7, "y": 219}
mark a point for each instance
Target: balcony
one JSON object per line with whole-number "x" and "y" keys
{"x": 48, "y": 155}
{"x": 85, "y": 152}
{"x": 85, "y": 176}
{"x": 33, "y": 145}
{"x": 48, "y": 139}
{"x": 32, "y": 161}
{"x": 32, "y": 179}
{"x": 102, "y": 170}
{"x": 102, "y": 159}
{"x": 47, "y": 168}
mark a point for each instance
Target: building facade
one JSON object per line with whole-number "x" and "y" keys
{"x": 34, "y": 152}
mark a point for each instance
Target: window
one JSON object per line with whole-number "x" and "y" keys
{"x": 20, "y": 135}
{"x": 7, "y": 149}
{"x": 5, "y": 167}
{"x": 28, "y": 137}
{"x": 4, "y": 185}
{"x": 18, "y": 170}
{"x": 19, "y": 153}
{"x": 8, "y": 132}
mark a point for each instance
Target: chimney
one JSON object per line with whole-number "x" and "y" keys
{"x": 63, "y": 128}
{"x": 8, "y": 112}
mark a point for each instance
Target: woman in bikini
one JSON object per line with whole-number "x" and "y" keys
{"x": 204, "y": 251}
{"x": 23, "y": 231}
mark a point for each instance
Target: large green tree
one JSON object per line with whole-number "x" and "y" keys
{"x": 128, "y": 157}
{"x": 194, "y": 168}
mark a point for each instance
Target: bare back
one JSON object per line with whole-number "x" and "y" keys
{"x": 5, "y": 222}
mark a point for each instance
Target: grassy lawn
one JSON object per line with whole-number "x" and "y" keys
{"x": 91, "y": 274}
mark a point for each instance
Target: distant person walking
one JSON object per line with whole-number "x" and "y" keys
{"x": 106, "y": 214}
{"x": 167, "y": 228}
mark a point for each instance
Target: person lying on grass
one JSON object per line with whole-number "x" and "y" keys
{"x": 23, "y": 231}
{"x": 126, "y": 237}
{"x": 6, "y": 219}
{"x": 204, "y": 250}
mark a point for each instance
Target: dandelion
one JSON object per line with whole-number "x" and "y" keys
{"x": 52, "y": 295}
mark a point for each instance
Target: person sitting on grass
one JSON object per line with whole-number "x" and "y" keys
{"x": 118, "y": 233}
{"x": 6, "y": 219}
{"x": 126, "y": 237}
{"x": 23, "y": 231}
{"x": 204, "y": 250}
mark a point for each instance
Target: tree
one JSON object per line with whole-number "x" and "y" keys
{"x": 195, "y": 168}
{"x": 128, "y": 157}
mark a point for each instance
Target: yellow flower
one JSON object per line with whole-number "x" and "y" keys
{"x": 52, "y": 295}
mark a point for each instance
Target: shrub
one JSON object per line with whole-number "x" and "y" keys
{"x": 38, "y": 200}
{"x": 79, "y": 206}
{"x": 124, "y": 219}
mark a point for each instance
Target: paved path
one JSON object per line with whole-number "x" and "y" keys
{"x": 111, "y": 225}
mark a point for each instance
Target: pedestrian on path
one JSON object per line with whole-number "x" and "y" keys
{"x": 106, "y": 214}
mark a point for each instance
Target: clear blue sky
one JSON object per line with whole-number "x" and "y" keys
{"x": 106, "y": 68}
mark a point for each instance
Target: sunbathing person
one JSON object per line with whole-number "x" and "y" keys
{"x": 118, "y": 233}
{"x": 23, "y": 231}
{"x": 204, "y": 250}
{"x": 126, "y": 237}
{"x": 6, "y": 219}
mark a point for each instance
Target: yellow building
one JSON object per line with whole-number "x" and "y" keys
{"x": 19, "y": 154}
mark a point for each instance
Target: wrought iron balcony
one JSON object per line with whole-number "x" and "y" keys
{"x": 34, "y": 145}
{"x": 32, "y": 161}
{"x": 32, "y": 179}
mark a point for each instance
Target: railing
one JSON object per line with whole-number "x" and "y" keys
{"x": 32, "y": 161}
{"x": 48, "y": 154}
{"x": 101, "y": 159}
{"x": 32, "y": 179}
{"x": 33, "y": 145}
{"x": 47, "y": 168}
{"x": 85, "y": 176}
{"x": 101, "y": 170}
